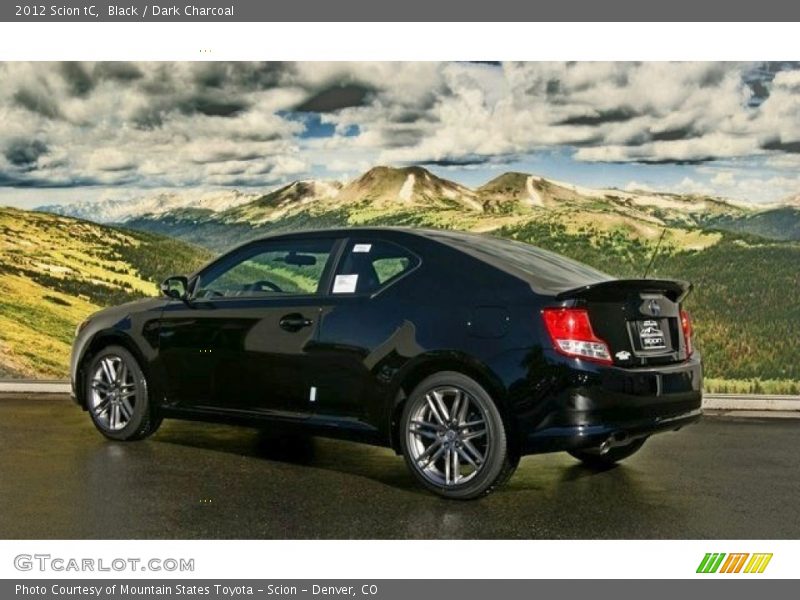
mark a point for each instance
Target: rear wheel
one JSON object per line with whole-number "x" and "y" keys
{"x": 117, "y": 396}
{"x": 595, "y": 458}
{"x": 453, "y": 438}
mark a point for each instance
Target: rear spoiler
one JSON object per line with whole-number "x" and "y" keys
{"x": 675, "y": 290}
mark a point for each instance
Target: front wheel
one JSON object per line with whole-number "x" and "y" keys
{"x": 453, "y": 438}
{"x": 117, "y": 396}
{"x": 593, "y": 457}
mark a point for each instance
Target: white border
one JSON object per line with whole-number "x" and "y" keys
{"x": 399, "y": 41}
{"x": 375, "y": 559}
{"x": 420, "y": 42}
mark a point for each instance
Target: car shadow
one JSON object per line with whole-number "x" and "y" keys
{"x": 581, "y": 471}
{"x": 378, "y": 464}
{"x": 349, "y": 458}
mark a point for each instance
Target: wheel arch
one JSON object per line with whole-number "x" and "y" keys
{"x": 103, "y": 339}
{"x": 430, "y": 364}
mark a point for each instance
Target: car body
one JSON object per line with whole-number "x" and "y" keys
{"x": 331, "y": 332}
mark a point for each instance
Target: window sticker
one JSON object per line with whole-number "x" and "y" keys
{"x": 362, "y": 247}
{"x": 345, "y": 284}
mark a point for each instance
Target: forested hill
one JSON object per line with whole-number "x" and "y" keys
{"x": 55, "y": 271}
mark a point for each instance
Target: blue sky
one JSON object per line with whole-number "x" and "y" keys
{"x": 84, "y": 131}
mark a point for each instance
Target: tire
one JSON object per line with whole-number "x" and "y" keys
{"x": 474, "y": 434}
{"x": 591, "y": 457}
{"x": 116, "y": 396}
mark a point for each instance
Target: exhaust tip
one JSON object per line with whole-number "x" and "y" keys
{"x": 615, "y": 439}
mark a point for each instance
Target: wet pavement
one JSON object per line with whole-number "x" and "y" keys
{"x": 724, "y": 478}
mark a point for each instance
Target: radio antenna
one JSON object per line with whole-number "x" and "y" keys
{"x": 655, "y": 253}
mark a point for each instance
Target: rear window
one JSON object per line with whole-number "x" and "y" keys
{"x": 369, "y": 265}
{"x": 547, "y": 271}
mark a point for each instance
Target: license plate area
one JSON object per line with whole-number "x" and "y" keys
{"x": 651, "y": 336}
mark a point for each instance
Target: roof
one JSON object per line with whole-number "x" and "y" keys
{"x": 439, "y": 235}
{"x": 545, "y": 271}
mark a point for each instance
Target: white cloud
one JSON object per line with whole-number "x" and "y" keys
{"x": 156, "y": 124}
{"x": 173, "y": 124}
{"x": 746, "y": 187}
{"x": 624, "y": 112}
{"x": 636, "y": 186}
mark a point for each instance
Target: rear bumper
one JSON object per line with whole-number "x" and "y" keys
{"x": 554, "y": 439}
{"x": 620, "y": 403}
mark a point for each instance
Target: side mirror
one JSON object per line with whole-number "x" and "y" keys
{"x": 176, "y": 287}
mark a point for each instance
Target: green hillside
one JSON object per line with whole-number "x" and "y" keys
{"x": 777, "y": 223}
{"x": 746, "y": 315}
{"x": 55, "y": 271}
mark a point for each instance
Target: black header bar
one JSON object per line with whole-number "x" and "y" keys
{"x": 403, "y": 10}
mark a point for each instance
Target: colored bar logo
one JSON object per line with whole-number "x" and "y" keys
{"x": 719, "y": 562}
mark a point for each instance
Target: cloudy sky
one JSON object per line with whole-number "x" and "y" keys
{"x": 72, "y": 132}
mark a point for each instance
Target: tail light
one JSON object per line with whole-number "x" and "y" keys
{"x": 686, "y": 325}
{"x": 572, "y": 335}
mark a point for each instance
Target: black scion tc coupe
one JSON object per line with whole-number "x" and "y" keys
{"x": 462, "y": 352}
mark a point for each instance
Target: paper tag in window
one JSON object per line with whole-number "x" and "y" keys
{"x": 345, "y": 284}
{"x": 362, "y": 247}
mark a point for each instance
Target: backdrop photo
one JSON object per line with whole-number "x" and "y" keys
{"x": 114, "y": 175}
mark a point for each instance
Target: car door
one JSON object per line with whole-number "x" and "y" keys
{"x": 363, "y": 335}
{"x": 242, "y": 342}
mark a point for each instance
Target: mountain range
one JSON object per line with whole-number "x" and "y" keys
{"x": 398, "y": 193}
{"x": 118, "y": 210}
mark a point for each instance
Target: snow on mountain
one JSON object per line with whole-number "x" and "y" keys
{"x": 121, "y": 210}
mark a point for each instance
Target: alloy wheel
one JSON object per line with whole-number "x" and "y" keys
{"x": 114, "y": 392}
{"x": 448, "y": 436}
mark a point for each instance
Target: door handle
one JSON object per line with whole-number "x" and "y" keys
{"x": 294, "y": 322}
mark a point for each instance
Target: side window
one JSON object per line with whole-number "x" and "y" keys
{"x": 270, "y": 269}
{"x": 369, "y": 265}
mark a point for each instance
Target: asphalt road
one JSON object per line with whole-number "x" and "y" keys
{"x": 723, "y": 478}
